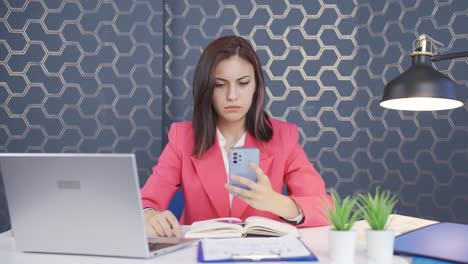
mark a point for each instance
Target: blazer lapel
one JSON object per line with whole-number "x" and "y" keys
{"x": 212, "y": 174}
{"x": 239, "y": 206}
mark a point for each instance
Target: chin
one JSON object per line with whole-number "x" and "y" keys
{"x": 234, "y": 119}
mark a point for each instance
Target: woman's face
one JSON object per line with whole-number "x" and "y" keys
{"x": 234, "y": 89}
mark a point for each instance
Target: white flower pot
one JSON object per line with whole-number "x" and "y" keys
{"x": 380, "y": 246}
{"x": 341, "y": 246}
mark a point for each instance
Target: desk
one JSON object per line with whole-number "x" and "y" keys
{"x": 315, "y": 238}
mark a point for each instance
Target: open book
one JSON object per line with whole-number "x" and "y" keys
{"x": 234, "y": 227}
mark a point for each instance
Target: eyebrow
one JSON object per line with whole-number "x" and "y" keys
{"x": 221, "y": 79}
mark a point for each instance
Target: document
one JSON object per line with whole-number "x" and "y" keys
{"x": 283, "y": 248}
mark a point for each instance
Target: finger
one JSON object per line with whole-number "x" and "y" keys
{"x": 231, "y": 188}
{"x": 247, "y": 182}
{"x": 150, "y": 232}
{"x": 235, "y": 191}
{"x": 175, "y": 224}
{"x": 159, "y": 230}
{"x": 256, "y": 168}
{"x": 165, "y": 226}
{"x": 242, "y": 193}
{"x": 260, "y": 175}
{"x": 149, "y": 221}
{"x": 263, "y": 178}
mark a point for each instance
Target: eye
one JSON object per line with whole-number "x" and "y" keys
{"x": 219, "y": 85}
{"x": 244, "y": 83}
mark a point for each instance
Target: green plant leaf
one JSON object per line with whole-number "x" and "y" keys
{"x": 343, "y": 214}
{"x": 376, "y": 209}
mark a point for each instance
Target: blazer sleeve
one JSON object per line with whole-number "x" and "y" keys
{"x": 166, "y": 177}
{"x": 305, "y": 186}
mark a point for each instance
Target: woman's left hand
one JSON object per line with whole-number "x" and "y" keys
{"x": 261, "y": 195}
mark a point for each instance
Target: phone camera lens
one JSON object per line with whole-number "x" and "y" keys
{"x": 235, "y": 162}
{"x": 235, "y": 153}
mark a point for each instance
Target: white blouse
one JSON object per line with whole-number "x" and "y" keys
{"x": 222, "y": 143}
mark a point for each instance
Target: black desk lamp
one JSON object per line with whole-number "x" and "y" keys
{"x": 421, "y": 87}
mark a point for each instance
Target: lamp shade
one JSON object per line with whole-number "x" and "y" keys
{"x": 420, "y": 88}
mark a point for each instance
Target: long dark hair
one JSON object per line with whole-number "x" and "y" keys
{"x": 204, "y": 115}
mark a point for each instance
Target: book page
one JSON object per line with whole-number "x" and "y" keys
{"x": 219, "y": 227}
{"x": 254, "y": 248}
{"x": 264, "y": 226}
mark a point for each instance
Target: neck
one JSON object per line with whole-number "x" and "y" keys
{"x": 232, "y": 131}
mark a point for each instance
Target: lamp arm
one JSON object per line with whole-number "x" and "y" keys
{"x": 449, "y": 56}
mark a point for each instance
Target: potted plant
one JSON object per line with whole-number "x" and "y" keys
{"x": 341, "y": 239}
{"x": 376, "y": 210}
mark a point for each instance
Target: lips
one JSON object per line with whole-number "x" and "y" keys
{"x": 232, "y": 108}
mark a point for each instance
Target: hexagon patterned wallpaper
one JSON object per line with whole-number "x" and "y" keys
{"x": 111, "y": 76}
{"x": 81, "y": 76}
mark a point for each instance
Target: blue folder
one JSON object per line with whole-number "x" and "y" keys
{"x": 444, "y": 241}
{"x": 423, "y": 260}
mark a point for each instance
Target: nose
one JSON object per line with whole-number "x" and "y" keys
{"x": 232, "y": 93}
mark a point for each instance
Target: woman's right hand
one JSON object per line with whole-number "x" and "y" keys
{"x": 162, "y": 224}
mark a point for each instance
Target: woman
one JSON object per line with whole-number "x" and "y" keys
{"x": 228, "y": 92}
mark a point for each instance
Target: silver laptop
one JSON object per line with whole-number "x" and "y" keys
{"x": 78, "y": 204}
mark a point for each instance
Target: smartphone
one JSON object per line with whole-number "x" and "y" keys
{"x": 239, "y": 160}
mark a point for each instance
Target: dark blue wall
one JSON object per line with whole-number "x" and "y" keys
{"x": 110, "y": 76}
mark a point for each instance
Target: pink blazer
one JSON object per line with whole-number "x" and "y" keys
{"x": 203, "y": 179}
